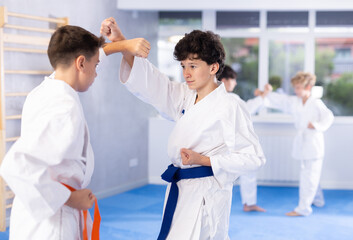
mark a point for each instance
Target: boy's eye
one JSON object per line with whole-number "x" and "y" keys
{"x": 182, "y": 66}
{"x": 192, "y": 66}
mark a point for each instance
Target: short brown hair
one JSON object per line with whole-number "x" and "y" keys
{"x": 69, "y": 42}
{"x": 206, "y": 46}
{"x": 304, "y": 78}
{"x": 228, "y": 73}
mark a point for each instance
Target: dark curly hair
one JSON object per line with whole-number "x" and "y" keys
{"x": 206, "y": 46}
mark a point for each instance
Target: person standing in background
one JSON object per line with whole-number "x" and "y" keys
{"x": 311, "y": 119}
{"x": 248, "y": 185}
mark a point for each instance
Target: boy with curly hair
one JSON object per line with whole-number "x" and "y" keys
{"x": 213, "y": 141}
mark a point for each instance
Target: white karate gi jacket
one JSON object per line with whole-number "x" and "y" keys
{"x": 54, "y": 148}
{"x": 252, "y": 105}
{"x": 248, "y": 182}
{"x": 308, "y": 143}
{"x": 218, "y": 127}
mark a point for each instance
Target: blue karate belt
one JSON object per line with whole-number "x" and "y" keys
{"x": 173, "y": 175}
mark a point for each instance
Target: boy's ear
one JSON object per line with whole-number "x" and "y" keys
{"x": 79, "y": 62}
{"x": 214, "y": 68}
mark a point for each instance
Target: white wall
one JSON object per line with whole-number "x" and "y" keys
{"x": 337, "y": 167}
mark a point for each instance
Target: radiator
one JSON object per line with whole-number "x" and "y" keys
{"x": 280, "y": 169}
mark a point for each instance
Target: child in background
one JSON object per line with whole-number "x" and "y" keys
{"x": 311, "y": 118}
{"x": 248, "y": 185}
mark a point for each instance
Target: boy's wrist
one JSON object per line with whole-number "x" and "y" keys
{"x": 118, "y": 38}
{"x": 205, "y": 161}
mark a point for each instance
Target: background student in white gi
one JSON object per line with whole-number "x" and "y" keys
{"x": 212, "y": 131}
{"x": 248, "y": 185}
{"x": 311, "y": 119}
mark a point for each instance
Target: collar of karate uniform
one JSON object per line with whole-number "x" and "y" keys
{"x": 63, "y": 83}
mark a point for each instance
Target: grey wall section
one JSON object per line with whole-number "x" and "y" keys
{"x": 117, "y": 120}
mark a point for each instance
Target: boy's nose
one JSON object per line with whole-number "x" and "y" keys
{"x": 186, "y": 74}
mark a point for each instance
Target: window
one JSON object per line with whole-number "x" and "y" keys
{"x": 286, "y": 58}
{"x": 180, "y": 22}
{"x": 334, "y": 71}
{"x": 172, "y": 27}
{"x": 334, "y": 18}
{"x": 334, "y": 21}
{"x": 287, "y": 19}
{"x": 242, "y": 54}
{"x": 233, "y": 20}
{"x": 166, "y": 62}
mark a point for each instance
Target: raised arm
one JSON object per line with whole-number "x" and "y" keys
{"x": 279, "y": 101}
{"x": 139, "y": 76}
{"x": 138, "y": 47}
{"x": 253, "y": 105}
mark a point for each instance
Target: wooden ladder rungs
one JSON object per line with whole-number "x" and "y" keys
{"x": 34, "y": 29}
{"x": 31, "y": 72}
{"x": 25, "y": 39}
{"x": 27, "y": 50}
{"x": 11, "y": 139}
{"x": 16, "y": 94}
{"x": 45, "y": 19}
{"x": 13, "y": 117}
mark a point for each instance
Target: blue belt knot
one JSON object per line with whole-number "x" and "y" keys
{"x": 173, "y": 175}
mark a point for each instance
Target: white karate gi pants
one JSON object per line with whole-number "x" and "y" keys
{"x": 248, "y": 189}
{"x": 310, "y": 174}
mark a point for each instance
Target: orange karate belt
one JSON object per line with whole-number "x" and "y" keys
{"x": 96, "y": 219}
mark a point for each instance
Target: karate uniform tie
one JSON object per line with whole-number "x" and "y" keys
{"x": 96, "y": 219}
{"x": 174, "y": 175}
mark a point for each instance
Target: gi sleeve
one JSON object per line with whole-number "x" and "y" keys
{"x": 151, "y": 86}
{"x": 279, "y": 101}
{"x": 244, "y": 151}
{"x": 30, "y": 167}
{"x": 325, "y": 117}
{"x": 253, "y": 105}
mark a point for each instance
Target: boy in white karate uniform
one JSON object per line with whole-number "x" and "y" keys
{"x": 311, "y": 118}
{"x": 213, "y": 141}
{"x": 54, "y": 147}
{"x": 248, "y": 185}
